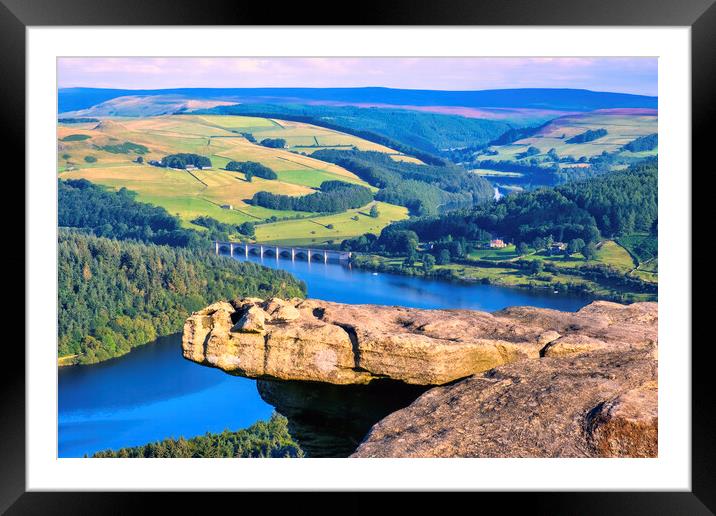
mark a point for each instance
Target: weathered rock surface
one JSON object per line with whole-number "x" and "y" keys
{"x": 521, "y": 382}
{"x": 311, "y": 340}
{"x": 601, "y": 405}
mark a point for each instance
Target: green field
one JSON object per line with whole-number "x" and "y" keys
{"x": 315, "y": 230}
{"x": 608, "y": 253}
{"x": 622, "y": 127}
{"x": 313, "y": 178}
{"x": 494, "y": 254}
{"x": 203, "y": 192}
{"x": 484, "y": 172}
{"x": 504, "y": 276}
{"x": 300, "y": 137}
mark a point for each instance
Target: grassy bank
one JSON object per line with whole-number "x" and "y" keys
{"x": 504, "y": 267}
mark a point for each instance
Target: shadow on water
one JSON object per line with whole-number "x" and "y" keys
{"x": 331, "y": 420}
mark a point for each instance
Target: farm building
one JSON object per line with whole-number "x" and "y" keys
{"x": 227, "y": 206}
{"x": 557, "y": 247}
{"x": 497, "y": 243}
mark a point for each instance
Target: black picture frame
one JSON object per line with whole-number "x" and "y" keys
{"x": 700, "y": 15}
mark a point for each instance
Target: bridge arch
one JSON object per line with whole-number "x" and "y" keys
{"x": 269, "y": 250}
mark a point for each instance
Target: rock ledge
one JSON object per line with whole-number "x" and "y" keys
{"x": 311, "y": 340}
{"x": 521, "y": 382}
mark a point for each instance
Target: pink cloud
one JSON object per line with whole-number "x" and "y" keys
{"x": 629, "y": 75}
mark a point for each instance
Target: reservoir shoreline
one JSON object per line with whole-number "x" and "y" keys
{"x": 152, "y": 392}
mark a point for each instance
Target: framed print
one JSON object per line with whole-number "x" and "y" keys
{"x": 417, "y": 253}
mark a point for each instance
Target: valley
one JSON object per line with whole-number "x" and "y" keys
{"x": 479, "y": 232}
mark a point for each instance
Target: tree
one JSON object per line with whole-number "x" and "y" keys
{"x": 276, "y": 143}
{"x": 589, "y": 251}
{"x": 522, "y": 248}
{"x": 588, "y": 136}
{"x": 262, "y": 439}
{"x": 643, "y": 143}
{"x": 334, "y": 197}
{"x": 139, "y": 159}
{"x": 247, "y": 228}
{"x": 537, "y": 267}
{"x": 538, "y": 243}
{"x": 251, "y": 168}
{"x": 531, "y": 151}
{"x": 575, "y": 246}
{"x": 374, "y": 211}
{"x": 182, "y": 160}
{"x": 443, "y": 257}
{"x": 428, "y": 262}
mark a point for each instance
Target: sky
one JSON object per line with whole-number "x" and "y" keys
{"x": 624, "y": 75}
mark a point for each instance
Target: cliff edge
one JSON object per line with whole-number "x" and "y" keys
{"x": 520, "y": 382}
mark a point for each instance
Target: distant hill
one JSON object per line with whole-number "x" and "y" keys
{"x": 73, "y": 99}
{"x": 146, "y": 105}
{"x": 411, "y": 132}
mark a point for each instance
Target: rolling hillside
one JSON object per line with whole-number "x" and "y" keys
{"x": 622, "y": 126}
{"x": 106, "y": 153}
{"x": 572, "y": 146}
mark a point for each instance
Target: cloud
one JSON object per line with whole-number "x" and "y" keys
{"x": 628, "y": 75}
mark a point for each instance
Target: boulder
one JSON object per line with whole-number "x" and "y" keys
{"x": 626, "y": 426}
{"x": 603, "y": 405}
{"x": 253, "y": 320}
{"x": 312, "y": 340}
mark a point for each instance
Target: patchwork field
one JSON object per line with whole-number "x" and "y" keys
{"x": 330, "y": 229}
{"x": 98, "y": 152}
{"x": 622, "y": 127}
{"x": 300, "y": 137}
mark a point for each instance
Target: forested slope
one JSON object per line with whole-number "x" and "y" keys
{"x": 423, "y": 189}
{"x": 610, "y": 205}
{"x": 115, "y": 295}
{"x": 261, "y": 440}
